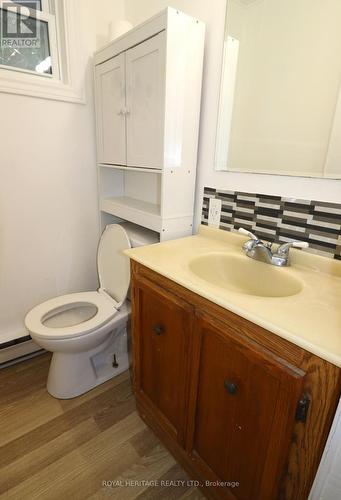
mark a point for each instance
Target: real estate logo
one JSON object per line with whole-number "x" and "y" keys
{"x": 18, "y": 27}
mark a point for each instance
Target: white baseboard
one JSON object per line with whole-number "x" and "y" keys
{"x": 18, "y": 350}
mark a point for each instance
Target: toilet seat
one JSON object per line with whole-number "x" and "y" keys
{"x": 114, "y": 277}
{"x": 106, "y": 310}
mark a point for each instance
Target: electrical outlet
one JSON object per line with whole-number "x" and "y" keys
{"x": 214, "y": 211}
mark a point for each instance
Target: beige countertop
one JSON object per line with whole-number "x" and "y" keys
{"x": 310, "y": 319}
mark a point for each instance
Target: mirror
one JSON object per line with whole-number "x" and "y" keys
{"x": 280, "y": 100}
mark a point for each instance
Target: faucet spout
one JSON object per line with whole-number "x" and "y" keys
{"x": 258, "y": 250}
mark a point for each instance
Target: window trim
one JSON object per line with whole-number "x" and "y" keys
{"x": 66, "y": 83}
{"x": 45, "y": 5}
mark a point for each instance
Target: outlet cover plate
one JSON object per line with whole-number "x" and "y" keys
{"x": 214, "y": 212}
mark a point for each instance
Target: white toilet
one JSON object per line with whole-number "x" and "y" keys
{"x": 87, "y": 331}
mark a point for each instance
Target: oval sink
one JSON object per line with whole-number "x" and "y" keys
{"x": 244, "y": 275}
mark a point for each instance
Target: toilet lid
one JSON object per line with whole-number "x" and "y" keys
{"x": 113, "y": 265}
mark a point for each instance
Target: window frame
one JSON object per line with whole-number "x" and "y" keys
{"x": 65, "y": 82}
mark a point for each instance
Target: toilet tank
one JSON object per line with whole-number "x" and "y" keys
{"x": 140, "y": 236}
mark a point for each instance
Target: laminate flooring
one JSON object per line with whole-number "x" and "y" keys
{"x": 91, "y": 447}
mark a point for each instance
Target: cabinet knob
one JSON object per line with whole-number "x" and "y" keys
{"x": 158, "y": 329}
{"x": 124, "y": 111}
{"x": 231, "y": 387}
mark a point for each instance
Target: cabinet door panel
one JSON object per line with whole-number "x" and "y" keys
{"x": 145, "y": 73}
{"x": 244, "y": 414}
{"x": 162, "y": 330}
{"x": 110, "y": 107}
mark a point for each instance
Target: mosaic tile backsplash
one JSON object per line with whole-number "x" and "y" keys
{"x": 278, "y": 219}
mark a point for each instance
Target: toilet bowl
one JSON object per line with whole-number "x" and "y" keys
{"x": 87, "y": 331}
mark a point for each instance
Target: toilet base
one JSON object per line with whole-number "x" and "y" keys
{"x": 73, "y": 374}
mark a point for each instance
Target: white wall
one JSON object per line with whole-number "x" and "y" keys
{"x": 48, "y": 191}
{"x": 213, "y": 14}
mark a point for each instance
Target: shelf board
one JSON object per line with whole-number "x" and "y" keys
{"x": 134, "y": 169}
{"x": 133, "y": 210}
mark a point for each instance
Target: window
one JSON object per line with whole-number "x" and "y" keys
{"x": 28, "y": 37}
{"x": 38, "y": 49}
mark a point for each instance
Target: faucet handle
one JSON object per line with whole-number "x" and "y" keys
{"x": 248, "y": 233}
{"x": 300, "y": 244}
{"x": 284, "y": 249}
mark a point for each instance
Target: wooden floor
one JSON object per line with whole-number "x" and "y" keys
{"x": 66, "y": 449}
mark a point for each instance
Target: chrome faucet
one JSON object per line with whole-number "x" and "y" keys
{"x": 260, "y": 250}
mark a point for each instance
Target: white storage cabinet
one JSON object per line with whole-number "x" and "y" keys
{"x": 148, "y": 91}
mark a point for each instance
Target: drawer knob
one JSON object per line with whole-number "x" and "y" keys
{"x": 231, "y": 387}
{"x": 158, "y": 329}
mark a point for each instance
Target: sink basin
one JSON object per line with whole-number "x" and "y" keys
{"x": 244, "y": 275}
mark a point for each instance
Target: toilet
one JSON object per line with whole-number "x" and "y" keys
{"x": 87, "y": 331}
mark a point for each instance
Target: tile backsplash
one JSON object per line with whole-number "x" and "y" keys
{"x": 279, "y": 219}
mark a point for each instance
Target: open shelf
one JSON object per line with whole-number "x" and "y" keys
{"x": 133, "y": 169}
{"x": 140, "y": 212}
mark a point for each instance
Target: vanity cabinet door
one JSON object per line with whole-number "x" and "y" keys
{"x": 242, "y": 411}
{"x": 162, "y": 326}
{"x": 110, "y": 111}
{"x": 145, "y": 70}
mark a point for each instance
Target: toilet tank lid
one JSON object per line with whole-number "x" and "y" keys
{"x": 113, "y": 265}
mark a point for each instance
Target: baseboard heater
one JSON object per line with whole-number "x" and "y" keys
{"x": 17, "y": 350}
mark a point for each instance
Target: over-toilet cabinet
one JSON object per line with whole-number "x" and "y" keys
{"x": 130, "y": 105}
{"x": 147, "y": 99}
{"x": 232, "y": 402}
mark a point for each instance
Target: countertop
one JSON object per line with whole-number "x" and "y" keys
{"x": 310, "y": 319}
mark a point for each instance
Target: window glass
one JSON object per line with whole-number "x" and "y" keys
{"x": 31, "y": 4}
{"x": 24, "y": 42}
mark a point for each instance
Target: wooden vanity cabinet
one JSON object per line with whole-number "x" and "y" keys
{"x": 233, "y": 402}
